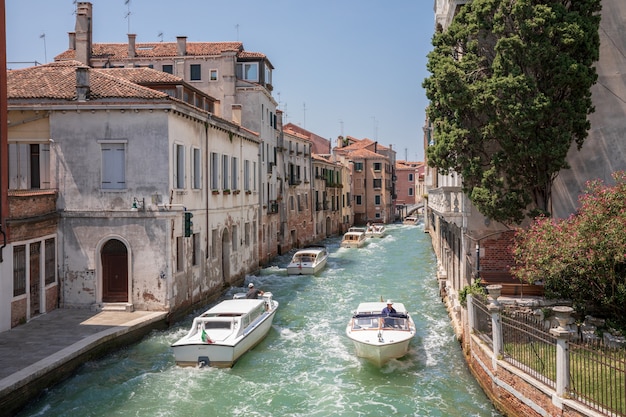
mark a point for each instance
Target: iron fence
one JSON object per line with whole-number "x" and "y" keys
{"x": 527, "y": 346}
{"x": 597, "y": 376}
{"x": 482, "y": 319}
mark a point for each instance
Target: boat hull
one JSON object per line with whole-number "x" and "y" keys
{"x": 221, "y": 355}
{"x": 381, "y": 353}
{"x": 306, "y": 268}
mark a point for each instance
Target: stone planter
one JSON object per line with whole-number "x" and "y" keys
{"x": 562, "y": 314}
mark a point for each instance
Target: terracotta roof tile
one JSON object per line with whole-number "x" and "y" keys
{"x": 119, "y": 51}
{"x": 57, "y": 80}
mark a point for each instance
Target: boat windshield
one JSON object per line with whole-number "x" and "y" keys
{"x": 370, "y": 322}
{"x": 217, "y": 324}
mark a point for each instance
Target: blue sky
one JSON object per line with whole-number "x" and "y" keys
{"x": 342, "y": 67}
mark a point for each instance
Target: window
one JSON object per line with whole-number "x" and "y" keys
{"x": 214, "y": 237}
{"x": 254, "y": 176}
{"x": 357, "y": 199}
{"x": 246, "y": 175}
{"x": 234, "y": 178}
{"x": 179, "y": 166}
{"x": 268, "y": 74}
{"x": 378, "y": 183}
{"x": 358, "y": 166}
{"x": 212, "y": 75}
{"x": 19, "y": 270}
{"x": 377, "y": 166}
{"x": 411, "y": 177}
{"x": 410, "y": 190}
{"x": 179, "y": 254}
{"x": 215, "y": 164}
{"x": 291, "y": 203}
{"x": 234, "y": 238}
{"x": 29, "y": 166}
{"x": 169, "y": 68}
{"x": 50, "y": 261}
{"x": 195, "y": 249}
{"x": 248, "y": 71}
{"x": 197, "y": 168}
{"x": 113, "y": 166}
{"x": 247, "y": 233}
{"x": 377, "y": 200}
{"x": 195, "y": 72}
{"x": 225, "y": 182}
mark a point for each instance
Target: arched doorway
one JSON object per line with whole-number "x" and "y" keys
{"x": 225, "y": 256}
{"x": 114, "y": 257}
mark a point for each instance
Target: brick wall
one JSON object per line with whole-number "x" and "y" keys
{"x": 497, "y": 252}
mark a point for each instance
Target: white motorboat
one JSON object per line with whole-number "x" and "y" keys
{"x": 411, "y": 220}
{"x": 219, "y": 336}
{"x": 308, "y": 261}
{"x": 378, "y": 337}
{"x": 376, "y": 230}
{"x": 353, "y": 239}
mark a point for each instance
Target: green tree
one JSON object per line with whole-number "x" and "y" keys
{"x": 509, "y": 93}
{"x": 582, "y": 258}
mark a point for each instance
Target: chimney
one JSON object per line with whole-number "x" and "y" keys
{"x": 181, "y": 42}
{"x": 83, "y": 32}
{"x": 72, "y": 36}
{"x": 236, "y": 109}
{"x": 82, "y": 83}
{"x": 131, "y": 45}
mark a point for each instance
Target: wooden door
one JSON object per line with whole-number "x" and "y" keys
{"x": 114, "y": 272}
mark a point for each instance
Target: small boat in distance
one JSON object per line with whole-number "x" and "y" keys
{"x": 353, "y": 239}
{"x": 222, "y": 334}
{"x": 411, "y": 220}
{"x": 376, "y": 230}
{"x": 377, "y": 337}
{"x": 308, "y": 261}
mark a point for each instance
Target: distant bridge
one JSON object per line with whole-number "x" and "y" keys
{"x": 410, "y": 209}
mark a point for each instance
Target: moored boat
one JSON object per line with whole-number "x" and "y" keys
{"x": 308, "y": 261}
{"x": 222, "y": 334}
{"x": 380, "y": 337}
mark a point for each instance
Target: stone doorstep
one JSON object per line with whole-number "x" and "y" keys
{"x": 123, "y": 307}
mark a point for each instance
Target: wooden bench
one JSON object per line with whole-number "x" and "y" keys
{"x": 511, "y": 286}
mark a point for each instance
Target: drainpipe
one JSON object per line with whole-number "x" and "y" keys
{"x": 4, "y": 147}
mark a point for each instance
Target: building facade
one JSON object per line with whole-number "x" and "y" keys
{"x": 157, "y": 201}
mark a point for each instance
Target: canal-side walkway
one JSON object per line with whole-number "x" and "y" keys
{"x": 49, "y": 348}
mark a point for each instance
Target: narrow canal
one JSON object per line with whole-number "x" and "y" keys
{"x": 306, "y": 365}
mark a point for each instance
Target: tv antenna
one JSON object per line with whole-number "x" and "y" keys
{"x": 160, "y": 35}
{"x": 127, "y": 16}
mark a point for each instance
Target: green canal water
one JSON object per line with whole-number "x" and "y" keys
{"x": 306, "y": 365}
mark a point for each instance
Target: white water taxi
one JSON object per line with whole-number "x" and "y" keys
{"x": 308, "y": 261}
{"x": 378, "y": 337}
{"x": 376, "y": 230}
{"x": 354, "y": 238}
{"x": 222, "y": 334}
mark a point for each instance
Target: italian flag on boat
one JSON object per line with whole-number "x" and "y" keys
{"x": 205, "y": 337}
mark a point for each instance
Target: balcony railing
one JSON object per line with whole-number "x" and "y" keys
{"x": 446, "y": 201}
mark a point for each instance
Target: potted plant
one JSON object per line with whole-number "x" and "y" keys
{"x": 226, "y": 191}
{"x": 215, "y": 192}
